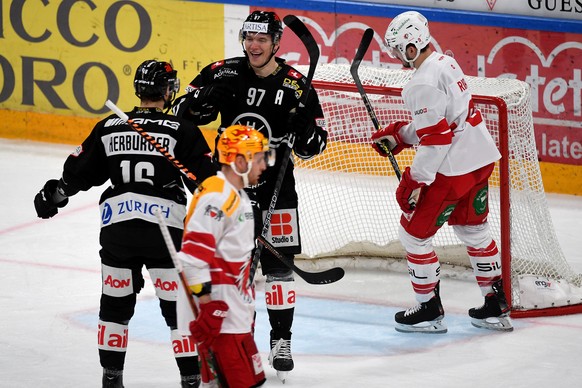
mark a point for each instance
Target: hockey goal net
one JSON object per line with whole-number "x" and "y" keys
{"x": 348, "y": 207}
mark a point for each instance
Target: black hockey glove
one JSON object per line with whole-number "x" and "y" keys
{"x": 202, "y": 105}
{"x": 216, "y": 95}
{"x": 47, "y": 201}
{"x": 301, "y": 122}
{"x": 185, "y": 107}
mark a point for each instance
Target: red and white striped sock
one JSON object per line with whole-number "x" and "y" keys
{"x": 424, "y": 270}
{"x": 486, "y": 264}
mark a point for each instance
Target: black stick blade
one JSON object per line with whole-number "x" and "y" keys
{"x": 331, "y": 275}
{"x": 300, "y": 29}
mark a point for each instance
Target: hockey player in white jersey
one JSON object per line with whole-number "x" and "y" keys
{"x": 216, "y": 255}
{"x": 447, "y": 181}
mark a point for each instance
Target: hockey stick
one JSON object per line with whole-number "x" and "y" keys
{"x": 177, "y": 264}
{"x": 267, "y": 221}
{"x": 211, "y": 360}
{"x": 299, "y": 28}
{"x": 315, "y": 277}
{"x": 362, "y": 48}
{"x": 333, "y": 274}
{"x": 176, "y": 163}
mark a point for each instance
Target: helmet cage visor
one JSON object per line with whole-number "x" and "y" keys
{"x": 270, "y": 157}
{"x": 174, "y": 83}
{"x": 395, "y": 52}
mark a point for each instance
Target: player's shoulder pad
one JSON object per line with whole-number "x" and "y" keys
{"x": 229, "y": 63}
{"x": 235, "y": 61}
{"x": 226, "y": 195}
{"x": 293, "y": 79}
{"x": 293, "y": 73}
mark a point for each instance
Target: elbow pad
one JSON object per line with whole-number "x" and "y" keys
{"x": 201, "y": 289}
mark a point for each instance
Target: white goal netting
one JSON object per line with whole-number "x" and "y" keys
{"x": 347, "y": 203}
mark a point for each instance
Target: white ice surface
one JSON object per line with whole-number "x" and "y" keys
{"x": 343, "y": 333}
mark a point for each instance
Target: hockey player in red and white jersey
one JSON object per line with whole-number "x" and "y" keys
{"x": 447, "y": 181}
{"x": 216, "y": 256}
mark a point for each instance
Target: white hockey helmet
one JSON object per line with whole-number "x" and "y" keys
{"x": 407, "y": 28}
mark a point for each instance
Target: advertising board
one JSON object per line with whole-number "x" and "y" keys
{"x": 60, "y": 61}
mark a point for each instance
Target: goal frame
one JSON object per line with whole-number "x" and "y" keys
{"x": 504, "y": 190}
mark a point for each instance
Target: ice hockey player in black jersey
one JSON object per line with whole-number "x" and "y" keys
{"x": 262, "y": 91}
{"x": 142, "y": 182}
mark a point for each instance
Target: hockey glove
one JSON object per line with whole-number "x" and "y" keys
{"x": 389, "y": 138}
{"x": 207, "y": 327}
{"x": 217, "y": 95}
{"x": 202, "y": 105}
{"x": 408, "y": 192}
{"x": 47, "y": 201}
{"x": 301, "y": 122}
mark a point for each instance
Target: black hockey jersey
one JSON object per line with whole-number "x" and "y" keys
{"x": 142, "y": 180}
{"x": 266, "y": 104}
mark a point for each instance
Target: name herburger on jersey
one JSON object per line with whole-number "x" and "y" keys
{"x": 132, "y": 142}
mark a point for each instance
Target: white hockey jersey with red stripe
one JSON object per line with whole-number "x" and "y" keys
{"x": 217, "y": 244}
{"x": 451, "y": 134}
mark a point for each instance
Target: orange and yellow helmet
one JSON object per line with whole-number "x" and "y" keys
{"x": 240, "y": 140}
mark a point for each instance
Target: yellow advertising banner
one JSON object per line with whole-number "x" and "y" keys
{"x": 68, "y": 57}
{"x": 61, "y": 60}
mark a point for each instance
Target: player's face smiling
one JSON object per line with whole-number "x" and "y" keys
{"x": 259, "y": 48}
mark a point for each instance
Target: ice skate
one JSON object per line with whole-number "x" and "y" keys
{"x": 112, "y": 378}
{"x": 192, "y": 381}
{"x": 423, "y": 318}
{"x": 280, "y": 356}
{"x": 494, "y": 314}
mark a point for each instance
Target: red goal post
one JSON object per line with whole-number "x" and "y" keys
{"x": 347, "y": 205}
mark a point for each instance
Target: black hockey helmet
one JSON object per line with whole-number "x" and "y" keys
{"x": 153, "y": 78}
{"x": 263, "y": 22}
